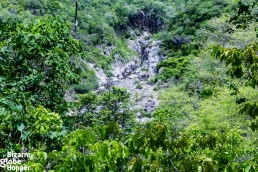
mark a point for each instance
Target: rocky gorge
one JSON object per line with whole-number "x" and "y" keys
{"x": 135, "y": 74}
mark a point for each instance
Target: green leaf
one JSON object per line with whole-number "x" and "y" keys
{"x": 20, "y": 127}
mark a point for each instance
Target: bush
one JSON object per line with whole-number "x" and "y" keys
{"x": 172, "y": 67}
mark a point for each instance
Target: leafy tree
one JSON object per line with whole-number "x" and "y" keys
{"x": 39, "y": 61}
{"x": 115, "y": 101}
{"x": 37, "y": 128}
{"x": 121, "y": 20}
{"x": 191, "y": 14}
{"x": 88, "y": 149}
{"x": 111, "y": 106}
{"x": 147, "y": 148}
{"x": 243, "y": 64}
{"x": 245, "y": 12}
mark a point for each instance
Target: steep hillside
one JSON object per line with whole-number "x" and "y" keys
{"x": 129, "y": 85}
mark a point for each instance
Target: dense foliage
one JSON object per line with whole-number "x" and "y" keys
{"x": 207, "y": 116}
{"x": 38, "y": 61}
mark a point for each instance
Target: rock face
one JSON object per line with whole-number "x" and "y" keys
{"x": 146, "y": 20}
{"x": 136, "y": 74}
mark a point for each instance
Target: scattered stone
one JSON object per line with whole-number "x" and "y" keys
{"x": 150, "y": 106}
{"x": 138, "y": 114}
{"x": 134, "y": 76}
{"x": 143, "y": 75}
{"x": 113, "y": 79}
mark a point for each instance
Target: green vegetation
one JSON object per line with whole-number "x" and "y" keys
{"x": 39, "y": 60}
{"x": 207, "y": 118}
